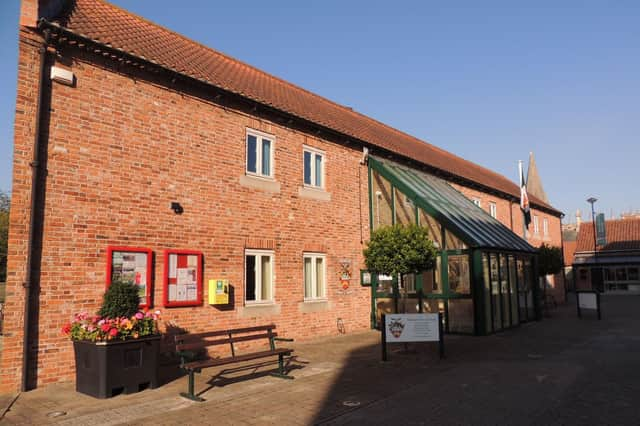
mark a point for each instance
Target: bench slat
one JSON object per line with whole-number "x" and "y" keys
{"x": 184, "y": 338}
{"x": 205, "y": 343}
{"x": 230, "y": 360}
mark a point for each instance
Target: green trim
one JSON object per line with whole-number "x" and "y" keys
{"x": 370, "y": 198}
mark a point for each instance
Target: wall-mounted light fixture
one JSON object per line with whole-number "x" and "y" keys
{"x": 176, "y": 207}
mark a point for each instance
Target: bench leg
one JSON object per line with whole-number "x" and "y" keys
{"x": 191, "y": 394}
{"x": 281, "y": 373}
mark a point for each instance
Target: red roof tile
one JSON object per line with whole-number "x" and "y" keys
{"x": 623, "y": 234}
{"x": 568, "y": 250}
{"x": 122, "y": 30}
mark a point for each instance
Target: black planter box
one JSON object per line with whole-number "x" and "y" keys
{"x": 105, "y": 369}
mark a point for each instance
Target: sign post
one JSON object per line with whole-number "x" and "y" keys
{"x": 601, "y": 230}
{"x": 588, "y": 299}
{"x": 404, "y": 328}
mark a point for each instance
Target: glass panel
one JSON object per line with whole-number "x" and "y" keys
{"x": 307, "y": 167}
{"x": 318, "y": 181}
{"x": 308, "y": 291}
{"x": 527, "y": 279}
{"x": 405, "y": 209}
{"x": 633, "y": 274}
{"x": 504, "y": 290}
{"x": 461, "y": 315}
{"x": 252, "y": 153}
{"x": 496, "y": 303}
{"x": 266, "y": 157}
{"x": 381, "y": 201}
{"x": 513, "y": 290}
{"x": 621, "y": 274}
{"x": 459, "y": 274}
{"x": 320, "y": 277}
{"x": 384, "y": 305}
{"x": 266, "y": 278}
{"x": 429, "y": 283}
{"x": 250, "y": 278}
{"x": 438, "y": 275}
{"x": 385, "y": 284}
{"x": 453, "y": 242}
{"x": 522, "y": 290}
{"x": 435, "y": 231}
{"x": 609, "y": 275}
{"x": 409, "y": 283}
{"x": 487, "y": 293}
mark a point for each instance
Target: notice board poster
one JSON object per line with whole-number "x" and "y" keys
{"x": 412, "y": 328}
{"x": 131, "y": 265}
{"x": 183, "y": 278}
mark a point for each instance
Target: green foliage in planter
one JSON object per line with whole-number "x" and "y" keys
{"x": 549, "y": 260}
{"x": 120, "y": 300}
{"x": 399, "y": 249}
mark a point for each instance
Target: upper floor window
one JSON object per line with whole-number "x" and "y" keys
{"x": 545, "y": 227}
{"x": 536, "y": 225}
{"x": 258, "y": 276}
{"x": 314, "y": 276}
{"x": 477, "y": 202}
{"x": 493, "y": 209}
{"x": 260, "y": 153}
{"x": 313, "y": 165}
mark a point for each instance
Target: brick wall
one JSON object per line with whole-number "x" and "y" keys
{"x": 120, "y": 150}
{"x": 120, "y": 147}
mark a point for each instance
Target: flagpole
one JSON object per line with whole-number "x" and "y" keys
{"x": 524, "y": 220}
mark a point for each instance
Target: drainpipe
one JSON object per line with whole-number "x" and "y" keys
{"x": 35, "y": 175}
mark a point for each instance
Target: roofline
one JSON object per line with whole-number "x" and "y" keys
{"x": 462, "y": 180}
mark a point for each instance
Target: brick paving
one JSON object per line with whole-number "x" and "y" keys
{"x": 560, "y": 371}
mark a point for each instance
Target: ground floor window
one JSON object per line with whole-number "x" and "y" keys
{"x": 259, "y": 276}
{"x": 314, "y": 276}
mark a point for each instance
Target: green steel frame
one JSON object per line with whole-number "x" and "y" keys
{"x": 505, "y": 242}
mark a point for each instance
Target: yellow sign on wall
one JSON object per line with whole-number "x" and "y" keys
{"x": 218, "y": 292}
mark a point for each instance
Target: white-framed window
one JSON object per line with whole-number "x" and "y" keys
{"x": 477, "y": 202}
{"x": 314, "y": 271}
{"x": 258, "y": 283}
{"x": 545, "y": 227}
{"x": 313, "y": 167}
{"x": 260, "y": 148}
{"x": 493, "y": 209}
{"x": 536, "y": 225}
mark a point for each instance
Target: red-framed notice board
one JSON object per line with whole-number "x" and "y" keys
{"x": 182, "y": 278}
{"x": 132, "y": 265}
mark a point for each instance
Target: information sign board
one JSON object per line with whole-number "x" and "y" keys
{"x": 588, "y": 299}
{"x": 412, "y": 328}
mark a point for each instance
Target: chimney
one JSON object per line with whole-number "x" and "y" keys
{"x": 29, "y": 12}
{"x": 578, "y": 219}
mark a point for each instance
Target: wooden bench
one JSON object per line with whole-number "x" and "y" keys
{"x": 188, "y": 347}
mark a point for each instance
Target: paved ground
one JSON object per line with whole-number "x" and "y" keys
{"x": 559, "y": 371}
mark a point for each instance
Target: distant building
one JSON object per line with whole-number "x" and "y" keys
{"x": 614, "y": 266}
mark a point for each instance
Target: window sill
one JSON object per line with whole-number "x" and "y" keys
{"x": 263, "y": 184}
{"x": 259, "y": 310}
{"x": 310, "y": 306}
{"x": 318, "y": 194}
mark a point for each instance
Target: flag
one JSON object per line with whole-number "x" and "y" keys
{"x": 524, "y": 199}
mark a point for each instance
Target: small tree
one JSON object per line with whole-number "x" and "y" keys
{"x": 549, "y": 260}
{"x": 398, "y": 250}
{"x": 120, "y": 300}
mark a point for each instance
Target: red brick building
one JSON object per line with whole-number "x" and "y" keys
{"x": 613, "y": 267}
{"x": 133, "y": 143}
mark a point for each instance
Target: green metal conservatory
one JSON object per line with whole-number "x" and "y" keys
{"x": 483, "y": 278}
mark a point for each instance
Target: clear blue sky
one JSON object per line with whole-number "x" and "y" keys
{"x": 489, "y": 81}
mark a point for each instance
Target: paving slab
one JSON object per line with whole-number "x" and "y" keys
{"x": 562, "y": 370}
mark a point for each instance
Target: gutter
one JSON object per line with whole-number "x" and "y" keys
{"x": 35, "y": 179}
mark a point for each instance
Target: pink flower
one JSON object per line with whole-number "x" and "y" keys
{"x": 67, "y": 328}
{"x": 113, "y": 332}
{"x": 139, "y": 315}
{"x": 105, "y": 327}
{"x": 101, "y": 322}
